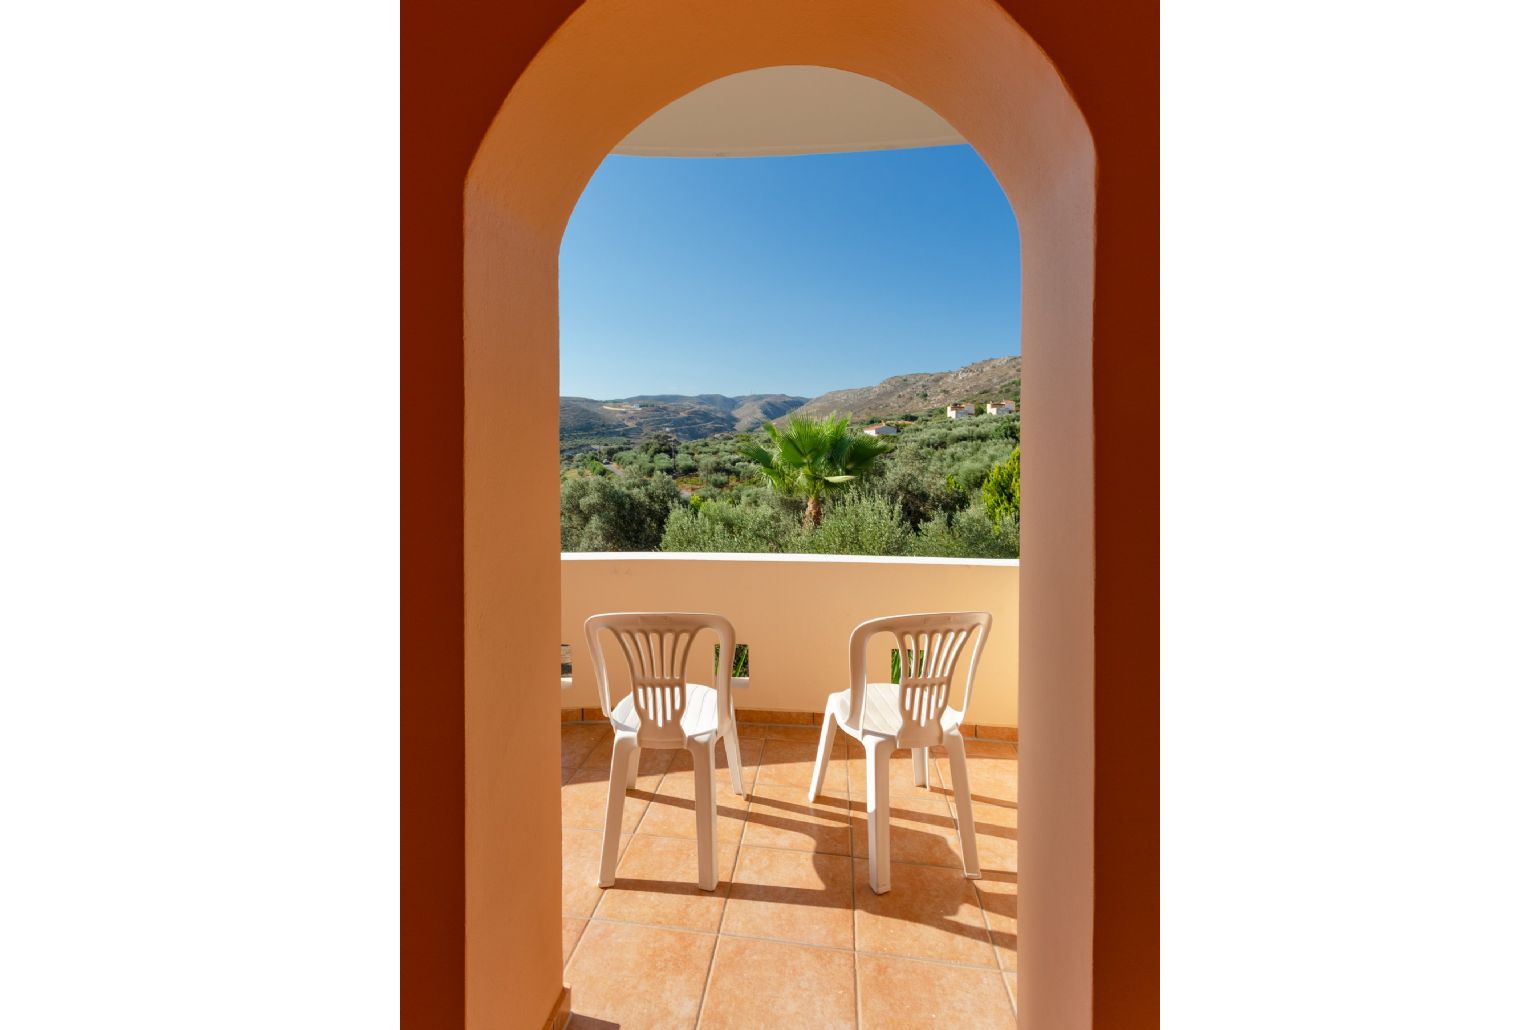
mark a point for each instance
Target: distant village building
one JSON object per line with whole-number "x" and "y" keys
{"x": 1001, "y": 407}
{"x": 963, "y": 410}
{"x": 881, "y": 429}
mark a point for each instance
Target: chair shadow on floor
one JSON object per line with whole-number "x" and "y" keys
{"x": 934, "y": 905}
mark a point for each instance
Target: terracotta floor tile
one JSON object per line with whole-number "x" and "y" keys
{"x": 571, "y": 930}
{"x": 791, "y": 896}
{"x": 656, "y": 883}
{"x": 981, "y": 749}
{"x": 748, "y": 747}
{"x": 997, "y": 891}
{"x": 766, "y": 717}
{"x": 989, "y": 749}
{"x": 993, "y": 780}
{"x": 994, "y": 828}
{"x": 900, "y": 777}
{"x": 789, "y": 763}
{"x": 585, "y": 797}
{"x": 785, "y": 986}
{"x": 1000, "y": 820}
{"x": 655, "y": 761}
{"x": 990, "y": 780}
{"x": 578, "y": 741}
{"x": 898, "y": 993}
{"x": 930, "y": 912}
{"x": 806, "y": 734}
{"x": 681, "y": 771}
{"x": 790, "y": 900}
{"x": 782, "y": 817}
{"x": 599, "y": 757}
{"x": 638, "y": 976}
{"x": 672, "y": 813}
{"x": 580, "y": 890}
{"x": 920, "y": 830}
{"x": 997, "y": 853}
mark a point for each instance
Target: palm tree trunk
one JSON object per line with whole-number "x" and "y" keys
{"x": 813, "y": 515}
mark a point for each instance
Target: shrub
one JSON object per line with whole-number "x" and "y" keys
{"x": 1001, "y": 489}
{"x": 970, "y": 533}
{"x": 862, "y": 524}
{"x": 607, "y": 514}
{"x": 740, "y": 660}
{"x": 724, "y": 526}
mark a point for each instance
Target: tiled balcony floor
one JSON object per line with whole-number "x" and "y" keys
{"x": 793, "y": 935}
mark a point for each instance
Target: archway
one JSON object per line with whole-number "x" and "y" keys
{"x": 606, "y": 70}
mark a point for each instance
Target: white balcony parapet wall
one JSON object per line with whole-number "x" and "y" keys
{"x": 796, "y": 611}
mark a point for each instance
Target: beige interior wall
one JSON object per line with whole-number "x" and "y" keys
{"x": 796, "y": 614}
{"x": 612, "y": 64}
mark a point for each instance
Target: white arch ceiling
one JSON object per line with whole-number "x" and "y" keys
{"x": 791, "y": 109}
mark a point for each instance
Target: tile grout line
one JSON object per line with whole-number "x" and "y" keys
{"x": 738, "y": 935}
{"x": 716, "y": 938}
{"x": 979, "y": 895}
{"x": 957, "y": 864}
{"x": 855, "y": 961}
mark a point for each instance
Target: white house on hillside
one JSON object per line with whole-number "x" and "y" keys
{"x": 881, "y": 429}
{"x": 962, "y": 410}
{"x": 1001, "y": 407}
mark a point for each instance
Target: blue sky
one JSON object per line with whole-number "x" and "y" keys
{"x": 785, "y": 274}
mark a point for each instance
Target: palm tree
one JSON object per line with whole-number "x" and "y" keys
{"x": 812, "y": 459}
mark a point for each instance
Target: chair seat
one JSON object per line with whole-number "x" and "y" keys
{"x": 882, "y": 713}
{"x": 700, "y": 712}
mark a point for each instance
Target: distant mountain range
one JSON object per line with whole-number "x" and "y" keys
{"x": 691, "y": 417}
{"x": 686, "y": 417}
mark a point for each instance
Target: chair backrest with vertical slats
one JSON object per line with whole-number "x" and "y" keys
{"x": 929, "y": 648}
{"x": 657, "y": 647}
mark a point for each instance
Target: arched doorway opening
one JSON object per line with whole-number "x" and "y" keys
{"x": 611, "y": 66}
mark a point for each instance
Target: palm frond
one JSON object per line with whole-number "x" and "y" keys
{"x": 811, "y": 457}
{"x": 757, "y": 454}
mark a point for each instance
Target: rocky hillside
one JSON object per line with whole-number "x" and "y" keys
{"x": 687, "y": 417}
{"x": 987, "y": 380}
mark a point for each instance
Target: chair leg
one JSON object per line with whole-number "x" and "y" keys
{"x": 825, "y": 753}
{"x": 962, "y": 800}
{"x": 621, "y": 759}
{"x": 704, "y": 756}
{"x": 734, "y": 756}
{"x": 921, "y": 766}
{"x": 878, "y": 854}
{"x": 634, "y": 768}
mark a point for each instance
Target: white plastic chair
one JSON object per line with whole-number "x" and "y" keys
{"x": 912, "y": 713}
{"x": 662, "y": 710}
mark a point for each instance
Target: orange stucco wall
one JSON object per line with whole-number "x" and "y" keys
{"x": 474, "y": 947}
